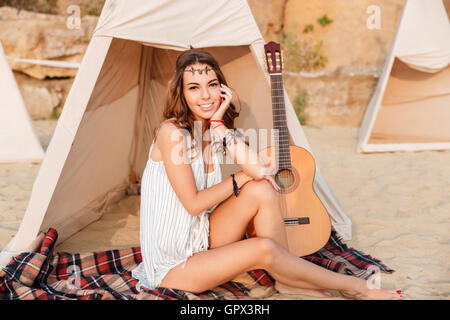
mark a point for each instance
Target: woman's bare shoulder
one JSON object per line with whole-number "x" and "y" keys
{"x": 169, "y": 134}
{"x": 169, "y": 128}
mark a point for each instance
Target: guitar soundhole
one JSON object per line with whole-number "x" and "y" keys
{"x": 284, "y": 178}
{"x": 287, "y": 179}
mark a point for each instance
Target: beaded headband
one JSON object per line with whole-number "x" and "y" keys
{"x": 200, "y": 70}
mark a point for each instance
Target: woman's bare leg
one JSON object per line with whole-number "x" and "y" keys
{"x": 259, "y": 201}
{"x": 208, "y": 269}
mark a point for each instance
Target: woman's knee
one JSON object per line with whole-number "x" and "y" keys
{"x": 267, "y": 251}
{"x": 260, "y": 190}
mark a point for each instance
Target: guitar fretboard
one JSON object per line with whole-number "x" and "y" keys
{"x": 280, "y": 123}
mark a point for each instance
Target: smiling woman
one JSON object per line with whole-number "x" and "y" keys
{"x": 193, "y": 222}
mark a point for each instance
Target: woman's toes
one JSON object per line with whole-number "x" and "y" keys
{"x": 36, "y": 244}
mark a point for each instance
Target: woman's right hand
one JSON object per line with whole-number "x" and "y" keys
{"x": 268, "y": 173}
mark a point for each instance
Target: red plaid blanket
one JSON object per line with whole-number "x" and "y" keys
{"x": 106, "y": 275}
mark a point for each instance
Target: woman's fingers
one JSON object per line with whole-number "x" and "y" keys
{"x": 226, "y": 99}
{"x": 273, "y": 183}
{"x": 227, "y": 93}
{"x": 268, "y": 171}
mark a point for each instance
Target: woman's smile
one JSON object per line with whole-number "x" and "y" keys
{"x": 207, "y": 106}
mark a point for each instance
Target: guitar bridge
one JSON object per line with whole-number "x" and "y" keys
{"x": 296, "y": 221}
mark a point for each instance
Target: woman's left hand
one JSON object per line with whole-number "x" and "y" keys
{"x": 226, "y": 100}
{"x": 268, "y": 174}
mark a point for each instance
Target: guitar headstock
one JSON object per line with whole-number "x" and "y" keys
{"x": 273, "y": 57}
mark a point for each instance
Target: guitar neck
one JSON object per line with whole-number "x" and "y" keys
{"x": 280, "y": 123}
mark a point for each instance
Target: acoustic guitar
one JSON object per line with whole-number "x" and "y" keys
{"x": 307, "y": 221}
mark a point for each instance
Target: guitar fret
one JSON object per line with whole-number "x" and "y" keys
{"x": 283, "y": 141}
{"x": 285, "y": 157}
{"x": 282, "y": 135}
{"x": 284, "y": 152}
{"x": 277, "y": 121}
{"x": 279, "y": 116}
{"x": 284, "y": 166}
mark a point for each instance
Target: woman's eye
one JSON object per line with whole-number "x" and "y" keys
{"x": 214, "y": 84}
{"x": 193, "y": 88}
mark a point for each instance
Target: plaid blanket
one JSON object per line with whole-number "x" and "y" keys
{"x": 106, "y": 275}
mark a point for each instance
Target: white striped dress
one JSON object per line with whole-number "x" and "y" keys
{"x": 169, "y": 235}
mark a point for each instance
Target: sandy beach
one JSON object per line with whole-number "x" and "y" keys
{"x": 398, "y": 204}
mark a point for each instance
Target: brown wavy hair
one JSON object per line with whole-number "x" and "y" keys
{"x": 176, "y": 105}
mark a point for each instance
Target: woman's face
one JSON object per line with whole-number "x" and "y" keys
{"x": 201, "y": 89}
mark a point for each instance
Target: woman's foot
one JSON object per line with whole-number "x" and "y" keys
{"x": 362, "y": 292}
{"x": 36, "y": 244}
{"x": 285, "y": 289}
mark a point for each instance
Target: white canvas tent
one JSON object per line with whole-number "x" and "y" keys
{"x": 410, "y": 108}
{"x": 106, "y": 127}
{"x": 18, "y": 141}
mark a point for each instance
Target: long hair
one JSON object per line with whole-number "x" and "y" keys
{"x": 176, "y": 105}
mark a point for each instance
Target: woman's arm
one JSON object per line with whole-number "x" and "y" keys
{"x": 247, "y": 159}
{"x": 171, "y": 144}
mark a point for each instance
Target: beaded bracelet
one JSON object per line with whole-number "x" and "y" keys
{"x": 235, "y": 186}
{"x": 231, "y": 135}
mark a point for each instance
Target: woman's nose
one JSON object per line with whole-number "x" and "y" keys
{"x": 206, "y": 94}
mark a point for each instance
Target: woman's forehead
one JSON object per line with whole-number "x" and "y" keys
{"x": 198, "y": 72}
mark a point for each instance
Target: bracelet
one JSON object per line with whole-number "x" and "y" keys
{"x": 224, "y": 147}
{"x": 218, "y": 125}
{"x": 211, "y": 120}
{"x": 232, "y": 135}
{"x": 235, "y": 186}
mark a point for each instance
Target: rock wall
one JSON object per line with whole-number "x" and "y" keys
{"x": 30, "y": 35}
{"x": 338, "y": 93}
{"x": 355, "y": 44}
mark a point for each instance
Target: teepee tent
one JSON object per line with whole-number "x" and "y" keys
{"x": 410, "y": 109}
{"x": 104, "y": 133}
{"x": 18, "y": 141}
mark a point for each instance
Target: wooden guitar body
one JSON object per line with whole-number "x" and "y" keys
{"x": 308, "y": 225}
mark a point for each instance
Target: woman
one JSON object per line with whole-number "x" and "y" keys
{"x": 192, "y": 222}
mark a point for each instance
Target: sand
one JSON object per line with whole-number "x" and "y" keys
{"x": 398, "y": 204}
